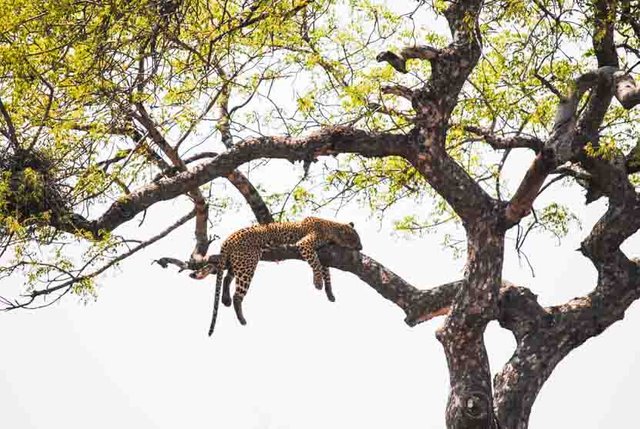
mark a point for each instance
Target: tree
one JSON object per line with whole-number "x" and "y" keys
{"x": 110, "y": 108}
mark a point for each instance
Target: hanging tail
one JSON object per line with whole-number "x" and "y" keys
{"x": 222, "y": 264}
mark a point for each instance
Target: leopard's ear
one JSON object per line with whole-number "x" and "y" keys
{"x": 351, "y": 224}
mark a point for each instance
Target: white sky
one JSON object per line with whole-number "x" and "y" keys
{"x": 139, "y": 356}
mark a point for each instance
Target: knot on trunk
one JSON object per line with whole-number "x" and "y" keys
{"x": 469, "y": 408}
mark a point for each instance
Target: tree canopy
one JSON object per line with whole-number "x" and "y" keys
{"x": 108, "y": 108}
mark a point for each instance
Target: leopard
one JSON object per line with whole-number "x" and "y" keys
{"x": 241, "y": 251}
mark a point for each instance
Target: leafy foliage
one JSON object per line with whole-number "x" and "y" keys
{"x": 76, "y": 76}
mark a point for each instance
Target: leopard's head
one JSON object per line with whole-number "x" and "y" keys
{"x": 204, "y": 272}
{"x": 346, "y": 236}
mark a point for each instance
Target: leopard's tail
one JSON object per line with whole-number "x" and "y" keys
{"x": 222, "y": 264}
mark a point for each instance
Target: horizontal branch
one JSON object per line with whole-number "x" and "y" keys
{"x": 419, "y": 305}
{"x": 399, "y": 62}
{"x": 328, "y": 141}
{"x": 499, "y": 142}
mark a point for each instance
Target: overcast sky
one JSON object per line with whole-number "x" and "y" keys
{"x": 139, "y": 356}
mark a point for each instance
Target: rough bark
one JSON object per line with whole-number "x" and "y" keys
{"x": 545, "y": 336}
{"x": 470, "y": 402}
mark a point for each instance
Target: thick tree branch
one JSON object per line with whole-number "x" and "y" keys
{"x": 550, "y": 337}
{"x": 567, "y": 326}
{"x": 388, "y": 284}
{"x": 547, "y": 336}
{"x": 449, "y": 179}
{"x": 434, "y": 103}
{"x": 470, "y": 399}
{"x": 551, "y": 334}
{"x": 603, "y": 32}
{"x": 419, "y": 305}
{"x": 328, "y": 141}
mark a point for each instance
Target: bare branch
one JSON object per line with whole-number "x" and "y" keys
{"x": 398, "y": 90}
{"x": 399, "y": 62}
{"x": 251, "y": 196}
{"x": 549, "y": 86}
{"x": 68, "y": 284}
{"x": 498, "y": 142}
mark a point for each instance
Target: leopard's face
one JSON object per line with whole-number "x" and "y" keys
{"x": 204, "y": 272}
{"x": 346, "y": 236}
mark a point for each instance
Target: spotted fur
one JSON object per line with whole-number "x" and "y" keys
{"x": 241, "y": 251}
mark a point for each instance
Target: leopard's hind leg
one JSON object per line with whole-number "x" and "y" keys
{"x": 243, "y": 267}
{"x": 327, "y": 283}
